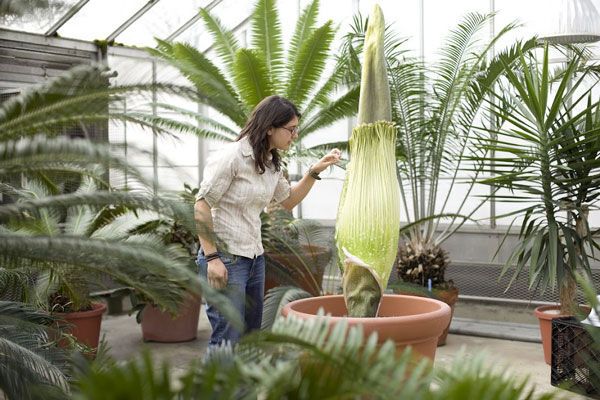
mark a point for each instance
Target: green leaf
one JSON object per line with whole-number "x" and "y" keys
{"x": 224, "y": 39}
{"x": 309, "y": 64}
{"x": 266, "y": 39}
{"x": 251, "y": 77}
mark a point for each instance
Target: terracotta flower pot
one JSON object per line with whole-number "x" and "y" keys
{"x": 407, "y": 320}
{"x": 545, "y": 315}
{"x": 161, "y": 326}
{"x": 85, "y": 325}
{"x": 448, "y": 296}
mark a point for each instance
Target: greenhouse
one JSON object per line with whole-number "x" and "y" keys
{"x": 303, "y": 199}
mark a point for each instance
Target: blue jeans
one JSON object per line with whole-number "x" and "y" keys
{"x": 245, "y": 288}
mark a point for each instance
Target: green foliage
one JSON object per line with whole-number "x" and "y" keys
{"x": 546, "y": 152}
{"x": 246, "y": 75}
{"x": 307, "y": 360}
{"x": 434, "y": 108}
{"x": 61, "y": 233}
{"x": 31, "y": 364}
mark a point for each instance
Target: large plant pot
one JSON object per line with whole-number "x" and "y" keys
{"x": 448, "y": 296}
{"x": 85, "y": 325}
{"x": 545, "y": 315}
{"x": 406, "y": 320}
{"x": 293, "y": 272}
{"x": 161, "y": 326}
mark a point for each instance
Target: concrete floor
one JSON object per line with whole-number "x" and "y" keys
{"x": 124, "y": 338}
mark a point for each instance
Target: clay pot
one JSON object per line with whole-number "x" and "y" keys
{"x": 161, "y": 326}
{"x": 545, "y": 315}
{"x": 448, "y": 296}
{"x": 407, "y": 320}
{"x": 316, "y": 257}
{"x": 85, "y": 325}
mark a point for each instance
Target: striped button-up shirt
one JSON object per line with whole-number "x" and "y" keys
{"x": 237, "y": 193}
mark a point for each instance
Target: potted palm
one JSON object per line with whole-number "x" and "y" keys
{"x": 545, "y": 154}
{"x": 153, "y": 318}
{"x": 60, "y": 238}
{"x": 63, "y": 287}
{"x": 368, "y": 224}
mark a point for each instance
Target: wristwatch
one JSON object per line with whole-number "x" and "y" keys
{"x": 313, "y": 174}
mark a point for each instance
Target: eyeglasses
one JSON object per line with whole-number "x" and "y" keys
{"x": 293, "y": 130}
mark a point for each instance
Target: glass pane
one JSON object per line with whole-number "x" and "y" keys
{"x": 99, "y": 18}
{"x": 536, "y": 18}
{"x": 160, "y": 21}
{"x": 173, "y": 178}
{"x": 230, "y": 12}
{"x": 442, "y": 16}
{"x": 179, "y": 148}
{"x": 404, "y": 18}
{"x": 20, "y": 16}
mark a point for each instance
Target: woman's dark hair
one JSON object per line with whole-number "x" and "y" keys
{"x": 271, "y": 112}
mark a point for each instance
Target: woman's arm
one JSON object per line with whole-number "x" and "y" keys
{"x": 216, "y": 271}
{"x": 299, "y": 191}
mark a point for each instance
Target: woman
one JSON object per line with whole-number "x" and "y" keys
{"x": 238, "y": 184}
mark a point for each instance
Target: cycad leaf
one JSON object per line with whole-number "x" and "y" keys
{"x": 309, "y": 64}
{"x": 304, "y": 28}
{"x": 224, "y": 40}
{"x": 266, "y": 38}
{"x": 276, "y": 299}
{"x": 251, "y": 77}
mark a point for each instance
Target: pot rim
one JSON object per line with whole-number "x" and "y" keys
{"x": 444, "y": 309}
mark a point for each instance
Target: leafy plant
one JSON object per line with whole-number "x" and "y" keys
{"x": 307, "y": 360}
{"x": 294, "y": 250}
{"x": 545, "y": 151}
{"x": 32, "y": 364}
{"x": 434, "y": 107}
{"x": 239, "y": 78}
{"x": 33, "y": 151}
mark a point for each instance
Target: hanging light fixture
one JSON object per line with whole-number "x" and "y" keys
{"x": 578, "y": 22}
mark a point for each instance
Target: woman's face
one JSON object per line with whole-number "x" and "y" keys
{"x": 281, "y": 138}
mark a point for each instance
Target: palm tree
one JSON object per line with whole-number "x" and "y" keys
{"x": 239, "y": 78}
{"x": 546, "y": 151}
{"x": 434, "y": 107}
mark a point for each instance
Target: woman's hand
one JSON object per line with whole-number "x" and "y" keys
{"x": 333, "y": 157}
{"x": 217, "y": 274}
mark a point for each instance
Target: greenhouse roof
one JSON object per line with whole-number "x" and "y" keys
{"x": 130, "y": 22}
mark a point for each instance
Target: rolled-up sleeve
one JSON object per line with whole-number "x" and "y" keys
{"x": 218, "y": 175}
{"x": 282, "y": 189}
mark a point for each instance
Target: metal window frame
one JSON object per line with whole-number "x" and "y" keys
{"x": 191, "y": 21}
{"x": 66, "y": 17}
{"x": 139, "y": 13}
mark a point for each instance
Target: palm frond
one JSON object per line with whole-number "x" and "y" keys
{"x": 214, "y": 89}
{"x": 251, "y": 77}
{"x": 304, "y": 28}
{"x": 276, "y": 299}
{"x": 266, "y": 39}
{"x": 344, "y": 106}
{"x": 309, "y": 64}
{"x": 30, "y": 361}
{"x": 224, "y": 40}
